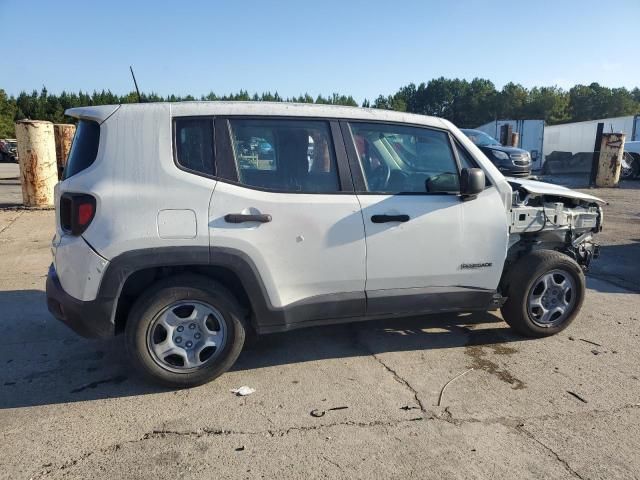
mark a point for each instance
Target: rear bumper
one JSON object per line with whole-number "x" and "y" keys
{"x": 90, "y": 319}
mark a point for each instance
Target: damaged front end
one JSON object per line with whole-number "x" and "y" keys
{"x": 545, "y": 216}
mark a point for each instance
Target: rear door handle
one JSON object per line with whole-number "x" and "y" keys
{"x": 241, "y": 218}
{"x": 389, "y": 218}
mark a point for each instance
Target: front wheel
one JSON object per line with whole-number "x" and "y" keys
{"x": 185, "y": 331}
{"x": 545, "y": 291}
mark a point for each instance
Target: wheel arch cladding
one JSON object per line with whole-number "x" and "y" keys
{"x": 131, "y": 273}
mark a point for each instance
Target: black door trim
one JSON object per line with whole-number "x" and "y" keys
{"x": 427, "y": 300}
{"x": 317, "y": 310}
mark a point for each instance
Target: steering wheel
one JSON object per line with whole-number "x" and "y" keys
{"x": 378, "y": 179}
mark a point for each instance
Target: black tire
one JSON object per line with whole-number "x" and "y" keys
{"x": 523, "y": 276}
{"x": 633, "y": 159}
{"x": 156, "y": 300}
{"x": 635, "y": 166}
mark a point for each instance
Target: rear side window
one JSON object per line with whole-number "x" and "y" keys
{"x": 194, "y": 144}
{"x": 285, "y": 155}
{"x": 84, "y": 148}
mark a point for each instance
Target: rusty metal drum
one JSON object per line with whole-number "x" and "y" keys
{"x": 64, "y": 133}
{"x": 38, "y": 166}
{"x": 610, "y": 160}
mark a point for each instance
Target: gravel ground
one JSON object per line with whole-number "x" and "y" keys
{"x": 562, "y": 407}
{"x": 620, "y": 238}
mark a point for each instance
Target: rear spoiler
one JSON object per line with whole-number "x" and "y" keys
{"x": 97, "y": 113}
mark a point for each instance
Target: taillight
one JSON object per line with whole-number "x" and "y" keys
{"x": 76, "y": 212}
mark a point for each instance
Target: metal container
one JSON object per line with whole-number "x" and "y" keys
{"x": 38, "y": 167}
{"x": 610, "y": 159}
{"x": 64, "y": 133}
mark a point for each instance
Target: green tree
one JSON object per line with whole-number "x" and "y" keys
{"x": 548, "y": 103}
{"x": 622, "y": 102}
{"x": 467, "y": 104}
{"x": 382, "y": 102}
{"x": 477, "y": 103}
{"x": 595, "y": 101}
{"x": 8, "y": 111}
{"x": 511, "y": 101}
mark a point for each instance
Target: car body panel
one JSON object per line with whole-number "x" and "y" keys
{"x": 133, "y": 179}
{"x": 314, "y": 244}
{"x": 441, "y": 235}
{"x": 78, "y": 266}
{"x": 632, "y": 146}
{"x": 319, "y": 259}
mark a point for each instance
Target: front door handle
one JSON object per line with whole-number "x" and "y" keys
{"x": 389, "y": 218}
{"x": 241, "y": 218}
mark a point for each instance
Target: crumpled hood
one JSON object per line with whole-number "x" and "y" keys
{"x": 543, "y": 188}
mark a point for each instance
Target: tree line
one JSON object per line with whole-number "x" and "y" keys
{"x": 467, "y": 104}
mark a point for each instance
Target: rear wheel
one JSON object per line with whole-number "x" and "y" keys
{"x": 185, "y": 331}
{"x": 545, "y": 291}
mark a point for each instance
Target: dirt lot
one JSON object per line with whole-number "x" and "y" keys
{"x": 10, "y": 192}
{"x": 562, "y": 407}
{"x": 620, "y": 239}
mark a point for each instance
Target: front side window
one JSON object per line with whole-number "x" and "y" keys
{"x": 285, "y": 155}
{"x": 466, "y": 161}
{"x": 399, "y": 159}
{"x": 194, "y": 144}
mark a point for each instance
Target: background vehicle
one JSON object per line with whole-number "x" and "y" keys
{"x": 8, "y": 150}
{"x": 511, "y": 161}
{"x": 631, "y": 160}
{"x": 388, "y": 215}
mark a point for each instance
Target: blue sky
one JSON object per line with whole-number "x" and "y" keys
{"x": 361, "y": 48}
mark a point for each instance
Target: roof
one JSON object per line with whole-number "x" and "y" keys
{"x": 102, "y": 112}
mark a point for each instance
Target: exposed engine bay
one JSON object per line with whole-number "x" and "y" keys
{"x": 554, "y": 218}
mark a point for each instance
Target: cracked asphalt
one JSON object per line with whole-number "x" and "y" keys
{"x": 562, "y": 407}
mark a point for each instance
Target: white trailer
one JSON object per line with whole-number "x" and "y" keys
{"x": 570, "y": 139}
{"x": 580, "y": 137}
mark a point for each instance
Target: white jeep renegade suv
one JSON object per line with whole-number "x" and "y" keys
{"x": 187, "y": 225}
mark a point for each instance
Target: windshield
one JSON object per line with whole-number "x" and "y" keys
{"x": 480, "y": 138}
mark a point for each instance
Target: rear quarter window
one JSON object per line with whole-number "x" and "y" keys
{"x": 84, "y": 148}
{"x": 194, "y": 145}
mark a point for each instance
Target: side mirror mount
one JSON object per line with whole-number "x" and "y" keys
{"x": 472, "y": 182}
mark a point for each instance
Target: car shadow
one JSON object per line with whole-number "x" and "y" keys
{"x": 44, "y": 363}
{"x": 424, "y": 332}
{"x": 618, "y": 267}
